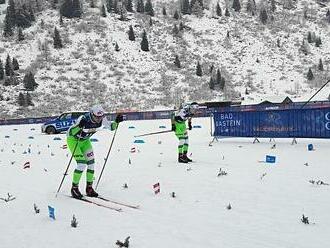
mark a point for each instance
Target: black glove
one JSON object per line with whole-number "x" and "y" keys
{"x": 173, "y": 127}
{"x": 189, "y": 125}
{"x": 119, "y": 118}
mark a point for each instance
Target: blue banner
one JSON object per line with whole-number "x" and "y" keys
{"x": 298, "y": 123}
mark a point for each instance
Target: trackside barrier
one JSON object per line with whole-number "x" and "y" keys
{"x": 295, "y": 123}
{"x": 166, "y": 114}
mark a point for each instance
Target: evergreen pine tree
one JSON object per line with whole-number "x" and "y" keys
{"x": 148, "y": 9}
{"x": 109, "y": 4}
{"x": 22, "y": 18}
{"x": 123, "y": 13}
{"x": 181, "y": 26}
{"x": 11, "y": 12}
{"x": 144, "y": 42}
{"x": 29, "y": 82}
{"x": 327, "y": 15}
{"x": 288, "y": 4}
{"x": 320, "y": 66}
{"x": 177, "y": 62}
{"x": 150, "y": 22}
{"x": 199, "y": 71}
{"x": 131, "y": 35}
{"x": 21, "y": 99}
{"x": 61, "y": 20}
{"x": 218, "y": 78}
{"x": 2, "y": 73}
{"x": 129, "y": 5}
{"x": 8, "y": 67}
{"x": 251, "y": 7}
{"x": 2, "y": 1}
{"x": 185, "y": 7}
{"x": 278, "y": 43}
{"x": 318, "y": 42}
{"x": 273, "y": 5}
{"x": 116, "y": 8}
{"x": 192, "y": 3}
{"x": 28, "y": 100}
{"x": 227, "y": 13}
{"x": 15, "y": 64}
{"x": 197, "y": 9}
{"x": 76, "y": 8}
{"x": 176, "y": 15}
{"x": 20, "y": 35}
{"x": 31, "y": 14}
{"x": 309, "y": 37}
{"x": 8, "y": 28}
{"x": 117, "y": 47}
{"x": 54, "y": 4}
{"x": 164, "y": 11}
{"x": 66, "y": 8}
{"x": 140, "y": 6}
{"x": 304, "y": 47}
{"x": 103, "y": 11}
{"x": 236, "y": 5}
{"x": 218, "y": 10}
{"x": 92, "y": 3}
{"x": 310, "y": 75}
{"x": 57, "y": 39}
{"x": 201, "y": 3}
{"x": 222, "y": 83}
{"x": 211, "y": 68}
{"x": 211, "y": 83}
{"x": 263, "y": 16}
{"x": 175, "y": 30}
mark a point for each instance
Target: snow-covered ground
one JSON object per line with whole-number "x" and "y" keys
{"x": 268, "y": 200}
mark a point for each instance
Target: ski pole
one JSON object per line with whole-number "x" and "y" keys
{"x": 106, "y": 159}
{"x": 315, "y": 94}
{"x": 147, "y": 134}
{"x": 67, "y": 168}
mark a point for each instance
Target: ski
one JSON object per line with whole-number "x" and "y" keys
{"x": 118, "y": 203}
{"x": 98, "y": 204}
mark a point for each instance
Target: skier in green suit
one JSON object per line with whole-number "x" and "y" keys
{"x": 78, "y": 140}
{"x": 178, "y": 120}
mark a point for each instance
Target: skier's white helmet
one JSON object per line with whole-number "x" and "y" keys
{"x": 97, "y": 113}
{"x": 191, "y": 107}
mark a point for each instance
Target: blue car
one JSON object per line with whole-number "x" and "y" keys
{"x": 61, "y": 123}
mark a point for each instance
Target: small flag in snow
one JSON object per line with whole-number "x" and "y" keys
{"x": 64, "y": 146}
{"x": 133, "y": 149}
{"x": 156, "y": 188}
{"x": 26, "y": 165}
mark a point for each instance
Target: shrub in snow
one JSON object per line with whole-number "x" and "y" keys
{"x": 74, "y": 222}
{"x": 36, "y": 209}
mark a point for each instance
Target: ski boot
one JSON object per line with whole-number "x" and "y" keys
{"x": 185, "y": 156}
{"x": 75, "y": 193}
{"x": 182, "y": 159}
{"x": 90, "y": 191}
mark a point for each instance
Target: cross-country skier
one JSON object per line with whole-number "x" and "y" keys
{"x": 179, "y": 119}
{"x": 78, "y": 142}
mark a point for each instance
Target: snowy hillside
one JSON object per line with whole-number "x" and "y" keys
{"x": 267, "y": 200}
{"x": 256, "y": 60}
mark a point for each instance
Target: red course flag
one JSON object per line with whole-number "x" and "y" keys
{"x": 26, "y": 165}
{"x": 64, "y": 146}
{"x": 156, "y": 188}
